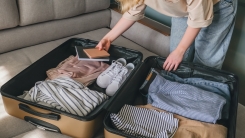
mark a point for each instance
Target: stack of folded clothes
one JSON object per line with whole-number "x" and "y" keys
{"x": 180, "y": 107}
{"x": 65, "y": 87}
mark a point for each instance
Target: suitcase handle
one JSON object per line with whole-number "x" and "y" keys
{"x": 42, "y": 127}
{"x": 27, "y": 109}
{"x": 42, "y": 124}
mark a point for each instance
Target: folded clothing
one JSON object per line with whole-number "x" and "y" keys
{"x": 65, "y": 94}
{"x": 141, "y": 122}
{"x": 219, "y": 88}
{"x": 185, "y": 100}
{"x": 194, "y": 129}
{"x": 82, "y": 71}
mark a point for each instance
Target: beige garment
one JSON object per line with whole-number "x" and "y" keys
{"x": 194, "y": 129}
{"x": 82, "y": 71}
{"x": 199, "y": 12}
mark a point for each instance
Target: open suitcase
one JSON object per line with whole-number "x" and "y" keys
{"x": 51, "y": 119}
{"x": 185, "y": 70}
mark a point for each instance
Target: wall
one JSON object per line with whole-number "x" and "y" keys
{"x": 235, "y": 58}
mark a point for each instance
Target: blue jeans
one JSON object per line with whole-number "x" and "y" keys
{"x": 221, "y": 89}
{"x": 212, "y": 42}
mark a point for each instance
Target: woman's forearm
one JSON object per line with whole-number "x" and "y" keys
{"x": 188, "y": 38}
{"x": 121, "y": 26}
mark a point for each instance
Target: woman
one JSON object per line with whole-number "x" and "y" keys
{"x": 201, "y": 29}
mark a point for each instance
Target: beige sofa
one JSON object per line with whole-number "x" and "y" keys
{"x": 31, "y": 28}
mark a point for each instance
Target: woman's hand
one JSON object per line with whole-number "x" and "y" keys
{"x": 104, "y": 44}
{"x": 121, "y": 26}
{"x": 173, "y": 60}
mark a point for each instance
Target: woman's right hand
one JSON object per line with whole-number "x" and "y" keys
{"x": 104, "y": 44}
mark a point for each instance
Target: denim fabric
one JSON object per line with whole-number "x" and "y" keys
{"x": 212, "y": 42}
{"x": 185, "y": 100}
{"x": 221, "y": 89}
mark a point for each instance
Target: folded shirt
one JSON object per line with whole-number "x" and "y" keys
{"x": 65, "y": 94}
{"x": 141, "y": 122}
{"x": 194, "y": 129}
{"x": 185, "y": 100}
{"x": 82, "y": 71}
{"x": 218, "y": 88}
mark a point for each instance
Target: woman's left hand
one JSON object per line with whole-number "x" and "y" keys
{"x": 173, "y": 60}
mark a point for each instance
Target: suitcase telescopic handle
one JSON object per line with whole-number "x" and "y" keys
{"x": 27, "y": 109}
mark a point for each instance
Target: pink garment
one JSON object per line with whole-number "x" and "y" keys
{"x": 82, "y": 71}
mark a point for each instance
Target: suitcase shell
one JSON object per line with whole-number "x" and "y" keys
{"x": 185, "y": 70}
{"x": 55, "y": 120}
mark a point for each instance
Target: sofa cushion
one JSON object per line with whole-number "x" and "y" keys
{"x": 20, "y": 37}
{"x": 36, "y": 11}
{"x": 9, "y": 16}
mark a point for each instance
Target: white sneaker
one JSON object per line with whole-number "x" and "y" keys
{"x": 105, "y": 78}
{"x": 119, "y": 79}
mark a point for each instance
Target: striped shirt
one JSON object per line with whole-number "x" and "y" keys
{"x": 142, "y": 122}
{"x": 185, "y": 100}
{"x": 67, "y": 95}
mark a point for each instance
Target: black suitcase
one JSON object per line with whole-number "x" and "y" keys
{"x": 185, "y": 70}
{"x": 55, "y": 120}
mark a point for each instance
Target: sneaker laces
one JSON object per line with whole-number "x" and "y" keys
{"x": 120, "y": 75}
{"x": 115, "y": 70}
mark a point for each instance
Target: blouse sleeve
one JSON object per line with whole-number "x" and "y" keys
{"x": 200, "y": 13}
{"x": 135, "y": 13}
